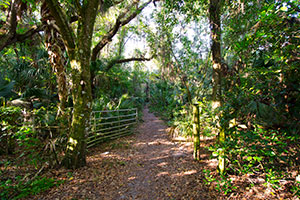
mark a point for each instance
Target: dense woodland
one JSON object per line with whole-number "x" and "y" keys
{"x": 221, "y": 71}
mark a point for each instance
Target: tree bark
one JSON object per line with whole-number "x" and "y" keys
{"x": 79, "y": 52}
{"x": 215, "y": 26}
{"x": 80, "y": 60}
{"x": 55, "y": 48}
{"x": 82, "y": 100}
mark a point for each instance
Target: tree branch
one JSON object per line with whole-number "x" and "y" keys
{"x": 10, "y": 36}
{"x": 66, "y": 31}
{"x": 89, "y": 12}
{"x": 113, "y": 31}
{"x": 125, "y": 60}
{"x": 21, "y": 37}
{"x": 12, "y": 23}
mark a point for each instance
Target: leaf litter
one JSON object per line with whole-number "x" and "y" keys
{"x": 146, "y": 165}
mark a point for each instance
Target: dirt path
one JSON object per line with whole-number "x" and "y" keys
{"x": 147, "y": 165}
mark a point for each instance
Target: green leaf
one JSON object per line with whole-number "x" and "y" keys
{"x": 249, "y": 158}
{"x": 284, "y": 8}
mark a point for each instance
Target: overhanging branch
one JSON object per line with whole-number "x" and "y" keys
{"x": 19, "y": 37}
{"x": 122, "y": 20}
{"x": 125, "y": 60}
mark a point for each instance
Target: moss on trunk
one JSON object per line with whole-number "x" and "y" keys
{"x": 196, "y": 131}
{"x": 82, "y": 101}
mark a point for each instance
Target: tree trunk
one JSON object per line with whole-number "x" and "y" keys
{"x": 80, "y": 60}
{"x": 215, "y": 25}
{"x": 82, "y": 106}
{"x": 55, "y": 48}
{"x": 78, "y": 47}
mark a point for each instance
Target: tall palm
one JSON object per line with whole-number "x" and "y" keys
{"x": 56, "y": 49}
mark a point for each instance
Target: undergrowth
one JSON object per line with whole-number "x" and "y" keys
{"x": 20, "y": 187}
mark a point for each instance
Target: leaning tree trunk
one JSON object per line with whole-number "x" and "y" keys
{"x": 55, "y": 48}
{"x": 215, "y": 25}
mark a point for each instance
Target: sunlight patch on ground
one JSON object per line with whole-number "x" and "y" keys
{"x": 181, "y": 139}
{"x": 93, "y": 159}
{"x": 158, "y": 158}
{"x": 213, "y": 163}
{"x": 152, "y": 143}
{"x": 158, "y": 142}
{"x": 139, "y": 144}
{"x": 190, "y": 172}
{"x": 131, "y": 178}
{"x": 162, "y": 174}
{"x": 162, "y": 164}
{"x": 107, "y": 155}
